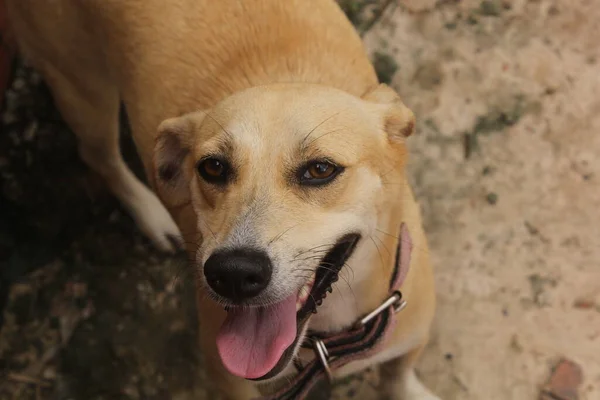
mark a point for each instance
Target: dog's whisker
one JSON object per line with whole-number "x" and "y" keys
{"x": 276, "y": 238}
{"x": 379, "y": 252}
{"x": 415, "y": 246}
{"x": 349, "y": 270}
{"x": 394, "y": 167}
{"x": 383, "y": 244}
{"x": 309, "y": 258}
{"x": 218, "y": 123}
{"x": 316, "y": 247}
{"x": 346, "y": 266}
{"x": 316, "y": 127}
{"x": 334, "y": 271}
{"x": 324, "y": 134}
{"x": 209, "y": 228}
{"x": 387, "y": 233}
{"x": 306, "y": 259}
{"x": 312, "y": 253}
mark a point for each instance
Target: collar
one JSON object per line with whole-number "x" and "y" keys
{"x": 360, "y": 341}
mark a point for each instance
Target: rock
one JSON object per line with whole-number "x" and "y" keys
{"x": 492, "y": 198}
{"x": 584, "y": 304}
{"x": 564, "y": 382}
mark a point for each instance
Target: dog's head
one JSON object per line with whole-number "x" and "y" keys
{"x": 284, "y": 181}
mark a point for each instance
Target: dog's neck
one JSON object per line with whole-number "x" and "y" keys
{"x": 364, "y": 282}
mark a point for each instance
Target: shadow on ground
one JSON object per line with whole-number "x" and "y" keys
{"x": 84, "y": 284}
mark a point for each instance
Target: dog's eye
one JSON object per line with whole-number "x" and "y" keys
{"x": 213, "y": 170}
{"x": 319, "y": 173}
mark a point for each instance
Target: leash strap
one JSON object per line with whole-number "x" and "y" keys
{"x": 333, "y": 351}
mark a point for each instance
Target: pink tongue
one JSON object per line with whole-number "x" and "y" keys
{"x": 252, "y": 340}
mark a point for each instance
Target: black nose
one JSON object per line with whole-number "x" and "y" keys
{"x": 238, "y": 274}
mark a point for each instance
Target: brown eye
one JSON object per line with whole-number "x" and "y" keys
{"x": 213, "y": 170}
{"x": 318, "y": 173}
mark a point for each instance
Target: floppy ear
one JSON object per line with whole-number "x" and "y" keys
{"x": 398, "y": 120}
{"x": 173, "y": 144}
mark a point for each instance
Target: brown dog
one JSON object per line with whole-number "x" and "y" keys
{"x": 266, "y": 135}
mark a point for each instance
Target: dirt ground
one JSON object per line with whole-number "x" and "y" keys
{"x": 503, "y": 164}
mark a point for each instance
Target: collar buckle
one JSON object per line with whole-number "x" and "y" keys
{"x": 323, "y": 355}
{"x": 395, "y": 300}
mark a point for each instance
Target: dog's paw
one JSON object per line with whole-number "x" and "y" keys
{"x": 411, "y": 388}
{"x": 153, "y": 219}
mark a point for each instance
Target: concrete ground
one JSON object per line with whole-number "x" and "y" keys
{"x": 506, "y": 167}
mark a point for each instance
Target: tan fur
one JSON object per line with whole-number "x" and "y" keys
{"x": 269, "y": 84}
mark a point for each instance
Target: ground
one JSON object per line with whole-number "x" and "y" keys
{"x": 503, "y": 164}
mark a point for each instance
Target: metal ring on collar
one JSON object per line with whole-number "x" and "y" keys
{"x": 394, "y": 300}
{"x": 323, "y": 355}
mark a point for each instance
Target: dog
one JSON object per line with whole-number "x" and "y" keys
{"x": 279, "y": 161}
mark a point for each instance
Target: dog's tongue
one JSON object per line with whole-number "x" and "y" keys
{"x": 252, "y": 340}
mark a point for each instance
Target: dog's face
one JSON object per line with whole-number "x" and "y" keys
{"x": 284, "y": 180}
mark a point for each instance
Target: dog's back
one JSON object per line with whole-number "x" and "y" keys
{"x": 181, "y": 55}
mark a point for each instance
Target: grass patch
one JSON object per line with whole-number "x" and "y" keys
{"x": 385, "y": 67}
{"x": 496, "y": 120}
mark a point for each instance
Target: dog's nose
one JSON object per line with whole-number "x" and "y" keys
{"x": 238, "y": 274}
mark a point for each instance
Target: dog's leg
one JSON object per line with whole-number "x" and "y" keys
{"x": 401, "y": 381}
{"x": 90, "y": 105}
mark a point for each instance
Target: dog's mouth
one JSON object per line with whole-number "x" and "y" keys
{"x": 258, "y": 343}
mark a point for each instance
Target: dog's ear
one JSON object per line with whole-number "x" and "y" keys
{"x": 398, "y": 120}
{"x": 170, "y": 158}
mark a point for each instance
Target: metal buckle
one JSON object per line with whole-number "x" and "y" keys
{"x": 323, "y": 355}
{"x": 394, "y": 300}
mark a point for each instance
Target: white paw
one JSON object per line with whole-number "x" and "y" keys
{"x": 153, "y": 219}
{"x": 150, "y": 215}
{"x": 411, "y": 388}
